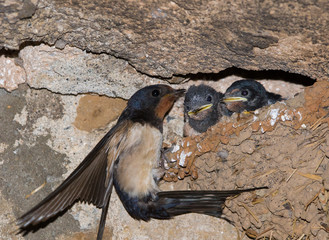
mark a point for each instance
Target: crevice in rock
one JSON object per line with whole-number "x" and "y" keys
{"x": 15, "y": 52}
{"x": 256, "y": 75}
{"x": 9, "y": 53}
{"x": 32, "y": 44}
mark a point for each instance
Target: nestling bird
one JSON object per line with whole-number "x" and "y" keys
{"x": 127, "y": 158}
{"x": 202, "y": 109}
{"x": 248, "y": 95}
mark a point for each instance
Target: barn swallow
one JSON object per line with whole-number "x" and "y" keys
{"x": 202, "y": 109}
{"x": 248, "y": 95}
{"x": 127, "y": 158}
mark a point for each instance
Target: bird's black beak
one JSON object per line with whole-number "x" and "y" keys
{"x": 179, "y": 92}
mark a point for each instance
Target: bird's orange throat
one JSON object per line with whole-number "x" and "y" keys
{"x": 165, "y": 105}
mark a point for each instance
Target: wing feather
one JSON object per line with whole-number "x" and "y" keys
{"x": 90, "y": 182}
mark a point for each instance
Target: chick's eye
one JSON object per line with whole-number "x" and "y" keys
{"x": 209, "y": 98}
{"x": 244, "y": 93}
{"x": 155, "y": 93}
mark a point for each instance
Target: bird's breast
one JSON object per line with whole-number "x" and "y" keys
{"x": 141, "y": 155}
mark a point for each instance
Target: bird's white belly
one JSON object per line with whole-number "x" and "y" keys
{"x": 140, "y": 157}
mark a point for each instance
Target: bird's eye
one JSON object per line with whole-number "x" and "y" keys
{"x": 209, "y": 98}
{"x": 244, "y": 93}
{"x": 155, "y": 93}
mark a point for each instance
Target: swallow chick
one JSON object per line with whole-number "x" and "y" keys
{"x": 127, "y": 157}
{"x": 248, "y": 95}
{"x": 202, "y": 109}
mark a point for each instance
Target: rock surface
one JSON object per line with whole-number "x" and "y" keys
{"x": 166, "y": 38}
{"x": 73, "y": 71}
{"x": 69, "y": 51}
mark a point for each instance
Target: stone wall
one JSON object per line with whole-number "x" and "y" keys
{"x": 67, "y": 53}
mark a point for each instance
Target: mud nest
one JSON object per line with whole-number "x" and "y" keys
{"x": 284, "y": 146}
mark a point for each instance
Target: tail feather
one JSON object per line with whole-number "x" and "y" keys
{"x": 273, "y": 98}
{"x": 175, "y": 203}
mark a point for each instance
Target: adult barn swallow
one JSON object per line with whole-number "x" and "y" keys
{"x": 202, "y": 109}
{"x": 127, "y": 158}
{"x": 248, "y": 95}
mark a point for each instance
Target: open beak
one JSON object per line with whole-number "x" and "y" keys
{"x": 235, "y": 99}
{"x": 200, "y": 109}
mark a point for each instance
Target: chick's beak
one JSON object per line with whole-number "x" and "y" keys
{"x": 200, "y": 109}
{"x": 234, "y": 99}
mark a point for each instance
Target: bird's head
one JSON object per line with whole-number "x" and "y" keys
{"x": 200, "y": 101}
{"x": 245, "y": 95}
{"x": 153, "y": 101}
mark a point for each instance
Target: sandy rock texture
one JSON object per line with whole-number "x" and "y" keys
{"x": 166, "y": 38}
{"x": 73, "y": 71}
{"x": 67, "y": 69}
{"x": 11, "y": 74}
